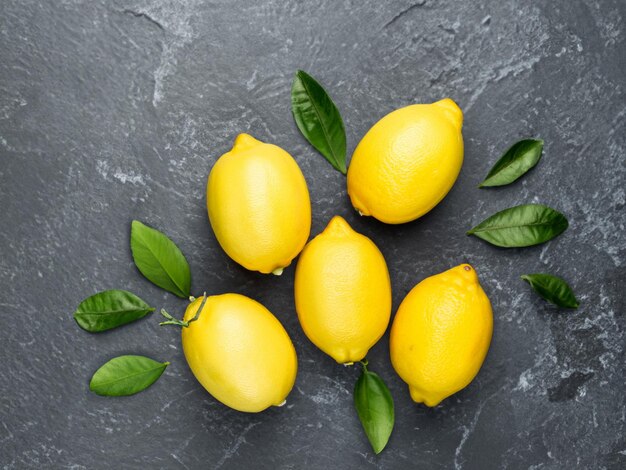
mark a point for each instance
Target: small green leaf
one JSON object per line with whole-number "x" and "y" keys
{"x": 519, "y": 226}
{"x": 374, "y": 405}
{"x": 318, "y": 119}
{"x": 159, "y": 259}
{"x": 126, "y": 375}
{"x": 516, "y": 161}
{"x": 554, "y": 289}
{"x": 110, "y": 309}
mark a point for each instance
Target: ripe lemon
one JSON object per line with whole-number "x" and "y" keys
{"x": 259, "y": 205}
{"x": 441, "y": 333}
{"x": 343, "y": 292}
{"x": 239, "y": 352}
{"x": 407, "y": 162}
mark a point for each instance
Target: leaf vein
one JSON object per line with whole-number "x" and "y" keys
{"x": 129, "y": 376}
{"x": 502, "y": 227}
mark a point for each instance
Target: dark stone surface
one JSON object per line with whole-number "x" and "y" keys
{"x": 111, "y": 111}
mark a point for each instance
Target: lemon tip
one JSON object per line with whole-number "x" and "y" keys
{"x": 244, "y": 141}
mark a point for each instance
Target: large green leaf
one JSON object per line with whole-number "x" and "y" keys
{"x": 159, "y": 259}
{"x": 110, "y": 309}
{"x": 374, "y": 405}
{"x": 519, "y": 226}
{"x": 318, "y": 119}
{"x": 126, "y": 375}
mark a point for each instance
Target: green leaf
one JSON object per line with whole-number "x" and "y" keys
{"x": 159, "y": 259}
{"x": 525, "y": 225}
{"x": 126, "y": 375}
{"x": 554, "y": 289}
{"x": 374, "y": 405}
{"x": 516, "y": 161}
{"x": 318, "y": 119}
{"x": 110, "y": 309}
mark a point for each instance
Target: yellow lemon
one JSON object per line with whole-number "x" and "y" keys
{"x": 343, "y": 292}
{"x": 259, "y": 205}
{"x": 407, "y": 162}
{"x": 239, "y": 352}
{"x": 441, "y": 333}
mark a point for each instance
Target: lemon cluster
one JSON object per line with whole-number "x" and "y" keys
{"x": 260, "y": 211}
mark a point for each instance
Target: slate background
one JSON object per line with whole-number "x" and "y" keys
{"x": 111, "y": 111}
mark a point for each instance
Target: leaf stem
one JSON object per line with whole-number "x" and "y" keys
{"x": 171, "y": 320}
{"x": 183, "y": 323}
{"x": 199, "y": 311}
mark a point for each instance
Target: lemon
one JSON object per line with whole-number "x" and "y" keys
{"x": 342, "y": 292}
{"x": 441, "y": 333}
{"x": 239, "y": 352}
{"x": 407, "y": 162}
{"x": 258, "y": 205}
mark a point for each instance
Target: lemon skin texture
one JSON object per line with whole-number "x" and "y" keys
{"x": 239, "y": 352}
{"x": 342, "y": 292}
{"x": 441, "y": 333}
{"x": 407, "y": 162}
{"x": 258, "y": 204}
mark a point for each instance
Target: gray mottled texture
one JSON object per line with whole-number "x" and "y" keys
{"x": 111, "y": 111}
